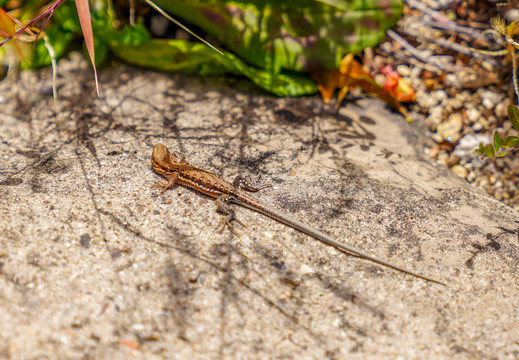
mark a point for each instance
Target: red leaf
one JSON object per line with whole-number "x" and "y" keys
{"x": 83, "y": 11}
{"x": 7, "y": 28}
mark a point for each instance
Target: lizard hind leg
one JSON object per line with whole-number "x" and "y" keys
{"x": 230, "y": 216}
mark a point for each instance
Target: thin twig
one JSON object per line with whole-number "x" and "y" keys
{"x": 506, "y": 150}
{"x": 428, "y": 11}
{"x": 132, "y": 12}
{"x": 514, "y": 71}
{"x": 456, "y": 28}
{"x": 449, "y": 45}
{"x": 178, "y": 23}
{"x": 415, "y": 52}
{"x": 416, "y": 63}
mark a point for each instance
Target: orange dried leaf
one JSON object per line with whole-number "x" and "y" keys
{"x": 352, "y": 74}
{"x": 356, "y": 76}
{"x": 352, "y": 69}
{"x": 511, "y": 29}
{"x": 327, "y": 82}
{"x": 7, "y": 28}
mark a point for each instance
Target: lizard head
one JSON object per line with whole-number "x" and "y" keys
{"x": 161, "y": 159}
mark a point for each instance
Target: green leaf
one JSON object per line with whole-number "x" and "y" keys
{"x": 497, "y": 140}
{"x": 513, "y": 115}
{"x": 128, "y": 35}
{"x": 480, "y": 150}
{"x": 339, "y": 4}
{"x": 489, "y": 151}
{"x": 300, "y": 35}
{"x": 509, "y": 141}
{"x": 190, "y": 57}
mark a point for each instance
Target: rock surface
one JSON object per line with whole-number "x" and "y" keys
{"x": 94, "y": 263}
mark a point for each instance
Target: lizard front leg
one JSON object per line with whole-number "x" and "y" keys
{"x": 169, "y": 183}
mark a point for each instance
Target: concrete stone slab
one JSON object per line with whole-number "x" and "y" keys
{"x": 94, "y": 263}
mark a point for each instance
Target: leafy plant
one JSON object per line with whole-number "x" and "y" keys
{"x": 502, "y": 146}
{"x": 8, "y": 31}
{"x": 275, "y": 43}
{"x": 508, "y": 32}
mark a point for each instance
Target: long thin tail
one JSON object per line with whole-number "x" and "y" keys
{"x": 299, "y": 226}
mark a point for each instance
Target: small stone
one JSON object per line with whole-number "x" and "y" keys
{"x": 502, "y": 108}
{"x": 452, "y": 160}
{"x": 430, "y": 84}
{"x": 460, "y": 171}
{"x": 473, "y": 114}
{"x": 514, "y": 165}
{"x": 450, "y": 129}
{"x": 380, "y": 79}
{"x": 437, "y": 138}
{"x": 439, "y": 95}
{"x": 468, "y": 143}
{"x": 434, "y": 119}
{"x": 452, "y": 80}
{"x": 489, "y": 99}
{"x": 403, "y": 70}
{"x": 511, "y": 15}
{"x": 428, "y": 100}
{"x": 471, "y": 176}
{"x": 477, "y": 126}
{"x": 443, "y": 159}
{"x": 305, "y": 270}
{"x": 425, "y": 100}
{"x": 459, "y": 101}
{"x": 85, "y": 240}
{"x": 491, "y": 120}
{"x": 483, "y": 182}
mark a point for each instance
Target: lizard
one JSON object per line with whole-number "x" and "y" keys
{"x": 177, "y": 170}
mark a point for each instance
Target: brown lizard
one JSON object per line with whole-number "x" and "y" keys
{"x": 177, "y": 171}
